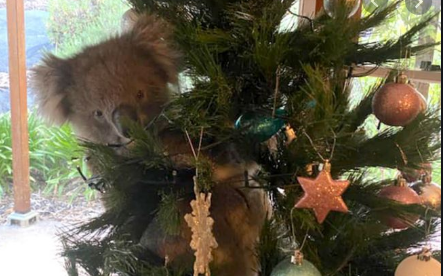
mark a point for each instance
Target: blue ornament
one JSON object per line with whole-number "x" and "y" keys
{"x": 289, "y": 268}
{"x": 311, "y": 104}
{"x": 261, "y": 127}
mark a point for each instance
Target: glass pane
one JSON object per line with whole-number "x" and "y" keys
{"x": 403, "y": 20}
{"x": 61, "y": 27}
{"x": 394, "y": 27}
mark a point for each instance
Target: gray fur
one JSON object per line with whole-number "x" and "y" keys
{"x": 108, "y": 77}
{"x": 105, "y": 76}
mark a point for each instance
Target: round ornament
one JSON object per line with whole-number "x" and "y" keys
{"x": 430, "y": 193}
{"x": 332, "y": 7}
{"x": 398, "y": 104}
{"x": 296, "y": 266}
{"x": 404, "y": 195}
{"x": 419, "y": 265}
{"x": 261, "y": 127}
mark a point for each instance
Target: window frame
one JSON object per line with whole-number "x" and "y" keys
{"x": 310, "y": 8}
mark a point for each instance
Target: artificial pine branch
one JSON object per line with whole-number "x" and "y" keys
{"x": 237, "y": 56}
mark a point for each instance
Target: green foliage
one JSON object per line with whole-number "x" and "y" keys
{"x": 121, "y": 258}
{"x": 169, "y": 214}
{"x": 54, "y": 155}
{"x": 142, "y": 185}
{"x": 240, "y": 59}
{"x": 75, "y": 24}
{"x": 269, "y": 248}
{"x": 399, "y": 24}
{"x": 5, "y": 153}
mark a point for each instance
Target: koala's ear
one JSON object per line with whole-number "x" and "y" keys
{"x": 153, "y": 36}
{"x": 49, "y": 82}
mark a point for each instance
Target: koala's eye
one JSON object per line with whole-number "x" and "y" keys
{"x": 140, "y": 95}
{"x": 98, "y": 113}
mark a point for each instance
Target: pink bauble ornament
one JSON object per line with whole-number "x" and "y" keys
{"x": 404, "y": 195}
{"x": 398, "y": 104}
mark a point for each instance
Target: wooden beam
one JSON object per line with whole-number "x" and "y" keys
{"x": 17, "y": 76}
{"x": 414, "y": 75}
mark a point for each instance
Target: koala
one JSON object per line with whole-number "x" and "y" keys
{"x": 127, "y": 76}
{"x": 124, "y": 77}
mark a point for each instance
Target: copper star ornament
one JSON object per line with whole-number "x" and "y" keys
{"x": 323, "y": 194}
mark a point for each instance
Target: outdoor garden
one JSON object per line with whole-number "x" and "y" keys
{"x": 64, "y": 28}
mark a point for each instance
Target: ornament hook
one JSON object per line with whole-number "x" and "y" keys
{"x": 426, "y": 254}
{"x": 402, "y": 78}
{"x": 401, "y": 182}
{"x": 327, "y": 166}
{"x": 298, "y": 258}
{"x": 427, "y": 178}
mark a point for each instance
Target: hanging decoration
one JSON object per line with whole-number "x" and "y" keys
{"x": 401, "y": 193}
{"x": 201, "y": 223}
{"x": 323, "y": 194}
{"x": 398, "y": 104}
{"x": 260, "y": 127}
{"x": 331, "y": 7}
{"x": 296, "y": 266}
{"x": 420, "y": 265}
{"x": 429, "y": 192}
{"x": 203, "y": 240}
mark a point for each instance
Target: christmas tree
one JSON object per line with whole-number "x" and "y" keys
{"x": 279, "y": 97}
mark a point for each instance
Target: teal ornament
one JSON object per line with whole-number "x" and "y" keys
{"x": 260, "y": 127}
{"x": 311, "y": 104}
{"x": 288, "y": 268}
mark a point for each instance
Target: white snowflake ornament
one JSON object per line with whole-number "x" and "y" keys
{"x": 203, "y": 240}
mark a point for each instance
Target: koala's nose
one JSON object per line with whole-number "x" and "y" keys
{"x": 122, "y": 117}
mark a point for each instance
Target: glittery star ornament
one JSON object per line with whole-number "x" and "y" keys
{"x": 203, "y": 240}
{"x": 323, "y": 194}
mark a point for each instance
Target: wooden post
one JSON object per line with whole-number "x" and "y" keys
{"x": 17, "y": 75}
{"x": 318, "y": 5}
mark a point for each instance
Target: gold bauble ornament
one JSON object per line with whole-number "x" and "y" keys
{"x": 419, "y": 265}
{"x": 429, "y": 192}
{"x": 398, "y": 104}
